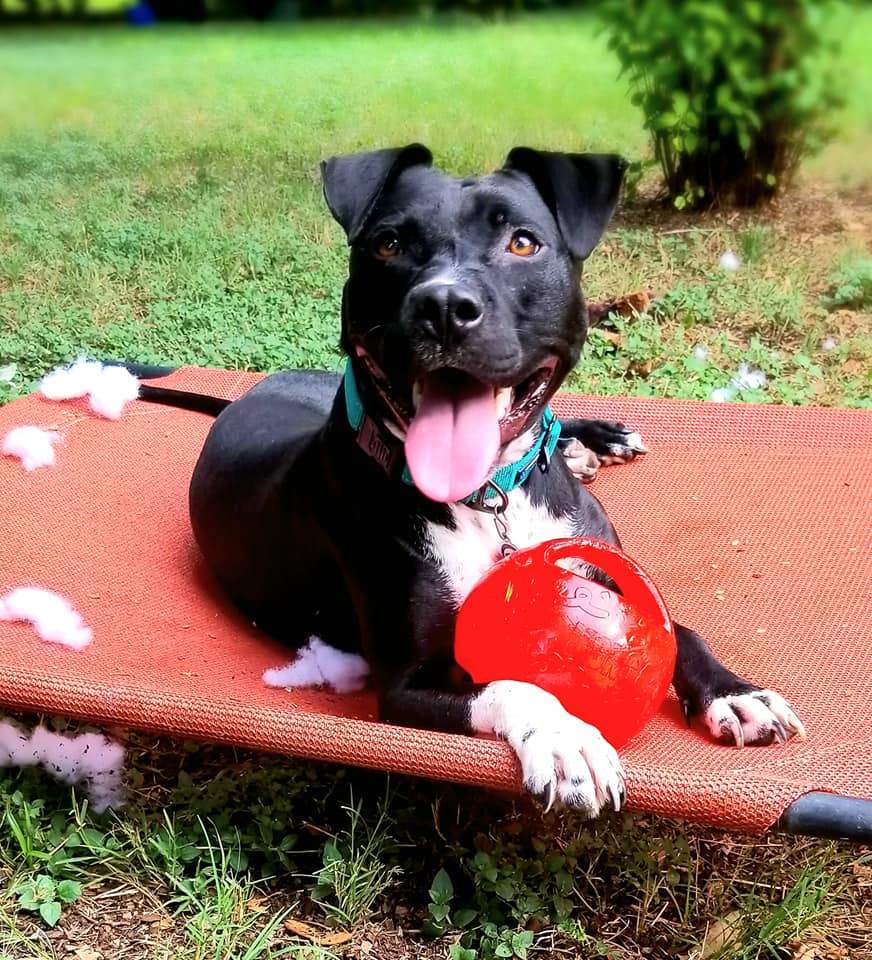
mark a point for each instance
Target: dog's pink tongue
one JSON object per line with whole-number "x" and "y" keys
{"x": 453, "y": 439}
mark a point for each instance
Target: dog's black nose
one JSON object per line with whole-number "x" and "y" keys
{"x": 447, "y": 310}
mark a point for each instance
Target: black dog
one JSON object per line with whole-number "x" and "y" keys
{"x": 364, "y": 515}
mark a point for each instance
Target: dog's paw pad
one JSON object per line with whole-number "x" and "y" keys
{"x": 757, "y": 718}
{"x": 583, "y": 463}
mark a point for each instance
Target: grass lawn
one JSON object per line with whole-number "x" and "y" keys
{"x": 159, "y": 201}
{"x": 159, "y": 198}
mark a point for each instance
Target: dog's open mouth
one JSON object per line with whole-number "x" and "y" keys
{"x": 457, "y": 425}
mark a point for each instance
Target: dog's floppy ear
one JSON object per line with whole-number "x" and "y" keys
{"x": 580, "y": 189}
{"x": 353, "y": 183}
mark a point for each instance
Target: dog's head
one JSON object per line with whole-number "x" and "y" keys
{"x": 463, "y": 309}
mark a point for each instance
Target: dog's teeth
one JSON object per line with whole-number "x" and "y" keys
{"x": 397, "y": 431}
{"x": 417, "y": 390}
{"x": 504, "y": 401}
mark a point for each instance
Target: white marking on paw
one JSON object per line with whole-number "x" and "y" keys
{"x": 625, "y": 450}
{"x": 318, "y": 665}
{"x": 759, "y": 717}
{"x": 562, "y": 758}
{"x": 345, "y": 672}
{"x": 634, "y": 442}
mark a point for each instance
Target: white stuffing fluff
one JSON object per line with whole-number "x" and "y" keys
{"x": 113, "y": 391}
{"x": 33, "y": 447}
{"x": 90, "y": 760}
{"x": 749, "y": 379}
{"x": 51, "y": 616}
{"x": 317, "y": 665}
{"x": 729, "y": 261}
{"x": 67, "y": 383}
{"x": 108, "y": 388}
{"x": 746, "y": 379}
{"x": 722, "y": 394}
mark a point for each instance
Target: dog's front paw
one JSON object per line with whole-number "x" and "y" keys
{"x": 563, "y": 760}
{"x": 583, "y": 463}
{"x": 590, "y": 444}
{"x": 757, "y": 718}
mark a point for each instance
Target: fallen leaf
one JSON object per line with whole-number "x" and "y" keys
{"x": 807, "y": 951}
{"x": 317, "y": 935}
{"x": 335, "y": 939}
{"x": 87, "y": 953}
{"x": 615, "y": 339}
{"x": 722, "y": 933}
{"x": 305, "y": 930}
{"x": 642, "y": 368}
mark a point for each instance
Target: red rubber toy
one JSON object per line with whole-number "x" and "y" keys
{"x": 607, "y": 657}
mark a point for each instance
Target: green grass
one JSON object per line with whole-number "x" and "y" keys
{"x": 66, "y": 6}
{"x": 173, "y": 211}
{"x": 159, "y": 197}
{"x": 198, "y": 852}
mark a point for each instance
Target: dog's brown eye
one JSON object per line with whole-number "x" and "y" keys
{"x": 523, "y": 244}
{"x": 386, "y": 245}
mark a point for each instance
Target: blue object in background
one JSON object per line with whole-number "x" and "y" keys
{"x": 141, "y": 15}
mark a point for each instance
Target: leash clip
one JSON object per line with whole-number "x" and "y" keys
{"x": 496, "y": 510}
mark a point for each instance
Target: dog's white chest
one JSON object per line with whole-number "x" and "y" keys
{"x": 474, "y": 545}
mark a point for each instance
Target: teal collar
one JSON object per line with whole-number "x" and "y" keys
{"x": 387, "y": 451}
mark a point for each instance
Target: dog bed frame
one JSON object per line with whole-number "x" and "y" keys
{"x": 754, "y": 521}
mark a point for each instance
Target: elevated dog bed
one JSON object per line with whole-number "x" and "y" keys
{"x": 755, "y": 521}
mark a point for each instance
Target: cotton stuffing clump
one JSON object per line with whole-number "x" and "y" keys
{"x": 89, "y": 760}
{"x": 50, "y": 615}
{"x": 108, "y": 388}
{"x": 33, "y": 446}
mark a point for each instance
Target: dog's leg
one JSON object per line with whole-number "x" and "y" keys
{"x": 733, "y": 710}
{"x": 589, "y": 444}
{"x": 562, "y": 758}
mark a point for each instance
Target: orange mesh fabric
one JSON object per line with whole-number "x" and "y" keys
{"x": 754, "y": 521}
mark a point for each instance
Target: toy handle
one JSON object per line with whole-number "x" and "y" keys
{"x": 619, "y": 567}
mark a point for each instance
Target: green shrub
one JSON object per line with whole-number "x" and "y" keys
{"x": 734, "y": 95}
{"x": 851, "y": 285}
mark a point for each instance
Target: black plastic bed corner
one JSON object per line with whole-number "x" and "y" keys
{"x": 145, "y": 371}
{"x": 829, "y": 815}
